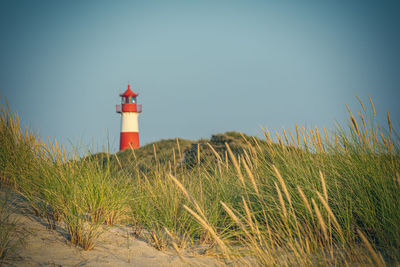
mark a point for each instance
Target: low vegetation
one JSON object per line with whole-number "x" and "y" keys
{"x": 11, "y": 237}
{"x": 301, "y": 198}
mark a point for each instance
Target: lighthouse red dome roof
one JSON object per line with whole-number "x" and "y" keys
{"x": 129, "y": 92}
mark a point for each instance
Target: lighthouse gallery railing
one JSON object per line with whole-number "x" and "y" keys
{"x": 129, "y": 108}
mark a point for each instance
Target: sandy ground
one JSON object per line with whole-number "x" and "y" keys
{"x": 45, "y": 247}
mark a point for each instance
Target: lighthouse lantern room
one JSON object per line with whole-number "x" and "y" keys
{"x": 129, "y": 110}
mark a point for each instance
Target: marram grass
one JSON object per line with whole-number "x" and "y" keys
{"x": 311, "y": 198}
{"x": 11, "y": 237}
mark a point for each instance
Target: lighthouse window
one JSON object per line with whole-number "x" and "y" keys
{"x": 133, "y": 100}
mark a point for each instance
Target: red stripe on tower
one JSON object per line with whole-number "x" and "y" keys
{"x": 128, "y": 140}
{"x": 129, "y": 110}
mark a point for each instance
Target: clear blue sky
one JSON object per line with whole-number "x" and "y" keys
{"x": 201, "y": 67}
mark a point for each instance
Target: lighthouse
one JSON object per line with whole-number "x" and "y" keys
{"x": 129, "y": 110}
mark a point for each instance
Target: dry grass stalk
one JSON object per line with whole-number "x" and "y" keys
{"x": 377, "y": 258}
{"x": 366, "y": 136}
{"x": 15, "y": 125}
{"x": 308, "y": 136}
{"x": 174, "y": 245}
{"x": 372, "y": 105}
{"x": 314, "y": 140}
{"x": 246, "y": 141}
{"x": 221, "y": 244}
{"x": 235, "y": 164}
{"x": 306, "y": 203}
{"x": 281, "y": 201}
{"x": 389, "y": 121}
{"x": 354, "y": 122}
{"x": 279, "y": 141}
{"x": 159, "y": 242}
{"x": 247, "y": 159}
{"x": 361, "y": 103}
{"x": 336, "y": 141}
{"x": 284, "y": 134}
{"x": 282, "y": 182}
{"x": 74, "y": 157}
{"x": 250, "y": 222}
{"x": 198, "y": 153}
{"x": 119, "y": 162}
{"x": 304, "y": 138}
{"x": 214, "y": 152}
{"x": 251, "y": 176}
{"x": 321, "y": 148}
{"x": 226, "y": 160}
{"x": 64, "y": 153}
{"x": 321, "y": 220}
{"x": 291, "y": 136}
{"x": 376, "y": 142}
{"x": 298, "y": 135}
{"x": 236, "y": 219}
{"x": 390, "y": 145}
{"x": 323, "y": 185}
{"x": 333, "y": 217}
{"x": 219, "y": 167}
{"x": 253, "y": 243}
{"x": 355, "y": 125}
{"x": 169, "y": 167}
{"x": 269, "y": 136}
{"x": 257, "y": 145}
{"x": 52, "y": 150}
{"x": 179, "y": 148}
{"x": 386, "y": 146}
{"x": 155, "y": 152}
{"x": 133, "y": 151}
{"x": 265, "y": 134}
{"x": 174, "y": 156}
{"x": 57, "y": 149}
{"x": 188, "y": 196}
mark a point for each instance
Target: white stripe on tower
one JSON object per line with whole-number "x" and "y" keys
{"x": 129, "y": 122}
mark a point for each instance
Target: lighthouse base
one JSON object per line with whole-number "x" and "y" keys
{"x": 129, "y": 140}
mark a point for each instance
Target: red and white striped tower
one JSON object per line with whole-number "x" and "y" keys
{"x": 129, "y": 110}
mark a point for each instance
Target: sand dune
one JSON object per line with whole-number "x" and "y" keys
{"x": 45, "y": 247}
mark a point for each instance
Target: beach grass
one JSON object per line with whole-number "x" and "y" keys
{"x": 11, "y": 237}
{"x": 304, "y": 197}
